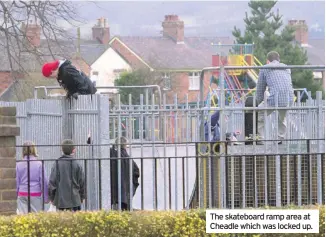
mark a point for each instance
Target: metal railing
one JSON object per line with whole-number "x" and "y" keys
{"x": 249, "y": 180}
{"x": 221, "y": 81}
{"x": 47, "y": 88}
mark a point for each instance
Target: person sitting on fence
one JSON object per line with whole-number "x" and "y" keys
{"x": 75, "y": 82}
{"x": 215, "y": 127}
{"x": 38, "y": 184}
{"x": 67, "y": 180}
{"x": 281, "y": 93}
{"x": 215, "y": 130}
{"x": 125, "y": 175}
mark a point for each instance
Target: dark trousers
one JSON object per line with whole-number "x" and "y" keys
{"x": 74, "y": 209}
{"x": 124, "y": 206}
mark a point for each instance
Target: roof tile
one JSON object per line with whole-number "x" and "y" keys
{"x": 164, "y": 53}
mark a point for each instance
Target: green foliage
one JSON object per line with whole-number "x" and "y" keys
{"x": 265, "y": 29}
{"x": 124, "y": 224}
{"x": 135, "y": 78}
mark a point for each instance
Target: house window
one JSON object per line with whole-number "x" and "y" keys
{"x": 318, "y": 75}
{"x": 194, "y": 78}
{"x": 94, "y": 76}
{"x": 117, "y": 76}
{"x": 166, "y": 81}
{"x": 117, "y": 73}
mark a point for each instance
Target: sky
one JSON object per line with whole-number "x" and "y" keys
{"x": 216, "y": 18}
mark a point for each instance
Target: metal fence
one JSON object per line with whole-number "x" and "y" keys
{"x": 170, "y": 181}
{"x": 164, "y": 140}
{"x": 256, "y": 175}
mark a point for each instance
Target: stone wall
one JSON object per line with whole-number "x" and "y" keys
{"x": 8, "y": 132}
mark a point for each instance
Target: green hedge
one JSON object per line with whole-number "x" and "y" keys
{"x": 115, "y": 224}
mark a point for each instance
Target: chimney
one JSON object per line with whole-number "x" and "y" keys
{"x": 32, "y": 32}
{"x": 301, "y": 31}
{"x": 173, "y": 28}
{"x": 101, "y": 32}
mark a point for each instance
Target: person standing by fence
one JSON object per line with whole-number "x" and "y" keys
{"x": 67, "y": 180}
{"x": 37, "y": 182}
{"x": 281, "y": 93}
{"x": 125, "y": 175}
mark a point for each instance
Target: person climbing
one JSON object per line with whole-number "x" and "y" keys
{"x": 75, "y": 82}
{"x": 281, "y": 94}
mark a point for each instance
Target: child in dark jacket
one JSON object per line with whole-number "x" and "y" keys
{"x": 67, "y": 180}
{"x": 125, "y": 175}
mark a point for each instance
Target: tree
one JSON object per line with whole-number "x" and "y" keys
{"x": 139, "y": 77}
{"x": 264, "y": 29}
{"x": 15, "y": 40}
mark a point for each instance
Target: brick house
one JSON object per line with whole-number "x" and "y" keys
{"x": 18, "y": 84}
{"x": 315, "y": 48}
{"x": 177, "y": 59}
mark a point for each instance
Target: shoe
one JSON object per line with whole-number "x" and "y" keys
{"x": 231, "y": 137}
{"x": 258, "y": 140}
{"x": 248, "y": 140}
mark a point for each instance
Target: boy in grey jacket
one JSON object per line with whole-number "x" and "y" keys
{"x": 67, "y": 181}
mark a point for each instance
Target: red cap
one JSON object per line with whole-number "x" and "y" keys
{"x": 48, "y": 68}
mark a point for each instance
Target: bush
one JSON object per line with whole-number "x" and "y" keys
{"x": 115, "y": 224}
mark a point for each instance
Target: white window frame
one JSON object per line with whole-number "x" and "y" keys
{"x": 318, "y": 75}
{"x": 94, "y": 76}
{"x": 117, "y": 76}
{"x": 117, "y": 73}
{"x": 166, "y": 77}
{"x": 194, "y": 81}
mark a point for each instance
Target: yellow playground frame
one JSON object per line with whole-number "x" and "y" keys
{"x": 242, "y": 56}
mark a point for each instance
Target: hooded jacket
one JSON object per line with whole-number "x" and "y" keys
{"x": 67, "y": 183}
{"x": 125, "y": 176}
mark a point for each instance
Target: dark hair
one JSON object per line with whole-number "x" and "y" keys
{"x": 273, "y": 55}
{"x": 122, "y": 141}
{"x": 67, "y": 146}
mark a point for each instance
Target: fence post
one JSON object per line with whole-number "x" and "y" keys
{"x": 320, "y": 149}
{"x": 222, "y": 139}
{"x": 66, "y": 119}
{"x": 201, "y": 139}
{"x": 147, "y": 129}
{"x": 8, "y": 133}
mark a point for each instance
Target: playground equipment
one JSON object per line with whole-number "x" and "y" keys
{"x": 238, "y": 83}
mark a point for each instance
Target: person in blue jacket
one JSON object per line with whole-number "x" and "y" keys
{"x": 214, "y": 129}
